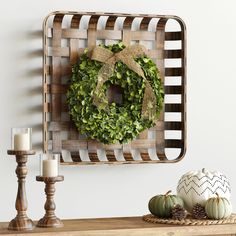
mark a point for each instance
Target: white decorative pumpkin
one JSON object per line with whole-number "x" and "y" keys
{"x": 198, "y": 186}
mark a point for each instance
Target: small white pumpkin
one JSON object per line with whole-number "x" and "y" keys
{"x": 218, "y": 208}
{"x": 197, "y": 186}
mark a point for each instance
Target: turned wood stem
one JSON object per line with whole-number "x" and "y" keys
{"x": 21, "y": 172}
{"x": 50, "y": 205}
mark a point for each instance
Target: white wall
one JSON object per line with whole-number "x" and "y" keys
{"x": 103, "y": 191}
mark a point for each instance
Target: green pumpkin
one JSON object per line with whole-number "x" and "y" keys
{"x": 218, "y": 208}
{"x": 161, "y": 205}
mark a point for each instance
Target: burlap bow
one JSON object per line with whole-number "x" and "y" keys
{"x": 127, "y": 56}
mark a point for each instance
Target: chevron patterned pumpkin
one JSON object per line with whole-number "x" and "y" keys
{"x": 198, "y": 186}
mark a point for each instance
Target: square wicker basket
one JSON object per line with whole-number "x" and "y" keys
{"x": 66, "y": 35}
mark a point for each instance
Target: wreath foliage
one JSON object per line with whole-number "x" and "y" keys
{"x": 120, "y": 123}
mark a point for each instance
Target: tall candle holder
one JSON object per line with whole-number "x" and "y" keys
{"x": 49, "y": 169}
{"x": 21, "y": 221}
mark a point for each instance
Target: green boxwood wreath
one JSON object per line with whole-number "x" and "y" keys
{"x": 121, "y": 123}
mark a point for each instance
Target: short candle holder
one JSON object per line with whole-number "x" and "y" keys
{"x": 50, "y": 220}
{"x": 21, "y": 221}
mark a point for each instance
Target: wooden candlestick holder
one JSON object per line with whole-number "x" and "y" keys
{"x": 50, "y": 220}
{"x": 21, "y": 221}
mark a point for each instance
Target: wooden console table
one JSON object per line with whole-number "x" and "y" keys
{"x": 125, "y": 226}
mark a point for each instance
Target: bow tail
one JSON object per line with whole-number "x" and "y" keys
{"x": 149, "y": 102}
{"x": 149, "y": 98}
{"x": 99, "y": 98}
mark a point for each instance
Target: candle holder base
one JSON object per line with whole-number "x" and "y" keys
{"x": 21, "y": 223}
{"x": 50, "y": 220}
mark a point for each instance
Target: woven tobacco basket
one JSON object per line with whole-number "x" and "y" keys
{"x": 66, "y": 34}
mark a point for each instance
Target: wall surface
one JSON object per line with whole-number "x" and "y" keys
{"x": 104, "y": 191}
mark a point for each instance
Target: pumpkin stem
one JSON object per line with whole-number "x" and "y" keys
{"x": 203, "y": 170}
{"x": 168, "y": 193}
{"x": 217, "y": 197}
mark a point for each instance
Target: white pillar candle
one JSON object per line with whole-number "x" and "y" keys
{"x": 50, "y": 168}
{"x": 21, "y": 142}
